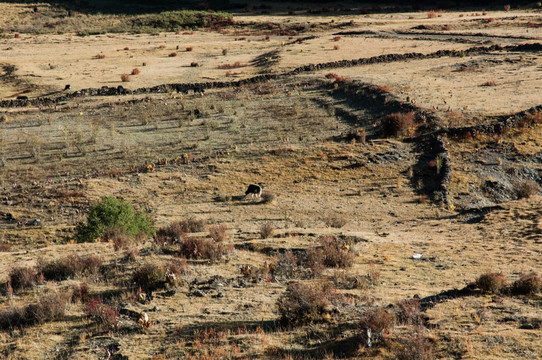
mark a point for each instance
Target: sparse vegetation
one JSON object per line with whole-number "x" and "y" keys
{"x": 125, "y": 77}
{"x": 527, "y": 284}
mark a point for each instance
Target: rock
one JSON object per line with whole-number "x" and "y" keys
{"x": 197, "y": 292}
{"x": 34, "y": 222}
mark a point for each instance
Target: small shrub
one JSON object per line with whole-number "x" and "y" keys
{"x": 173, "y": 54}
{"x": 48, "y": 308}
{"x": 79, "y": 293}
{"x": 491, "y": 282}
{"x": 288, "y": 266}
{"x": 21, "y": 278}
{"x": 375, "y": 325}
{"x": 335, "y": 221}
{"x": 119, "y": 239}
{"x": 337, "y": 253}
{"x": 431, "y": 14}
{"x": 336, "y": 47}
{"x": 306, "y": 303}
{"x": 136, "y": 71}
{"x": 150, "y": 276}
{"x": 506, "y": 7}
{"x": 408, "y": 312}
{"x": 102, "y": 313}
{"x": 218, "y": 232}
{"x": 170, "y": 234}
{"x": 126, "y": 48}
{"x": 267, "y": 230}
{"x": 398, "y": 124}
{"x": 69, "y": 267}
{"x": 224, "y": 52}
{"x": 526, "y": 189}
{"x": 112, "y": 213}
{"x": 527, "y": 284}
{"x": 267, "y": 197}
{"x": 99, "y": 56}
{"x": 235, "y": 65}
{"x": 337, "y": 38}
{"x": 416, "y": 346}
{"x": 125, "y": 77}
{"x": 197, "y": 248}
{"x": 189, "y": 48}
{"x": 194, "y": 64}
{"x": 489, "y": 83}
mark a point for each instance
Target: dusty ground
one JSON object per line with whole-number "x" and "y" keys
{"x": 290, "y": 134}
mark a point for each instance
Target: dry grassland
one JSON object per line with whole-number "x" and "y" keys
{"x": 357, "y": 229}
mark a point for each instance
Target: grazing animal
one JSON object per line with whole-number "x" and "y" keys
{"x": 254, "y": 190}
{"x": 22, "y": 97}
{"x": 199, "y": 90}
{"x": 67, "y": 87}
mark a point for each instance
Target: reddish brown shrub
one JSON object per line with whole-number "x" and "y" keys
{"x": 526, "y": 189}
{"x": 22, "y": 278}
{"x": 398, "y": 124}
{"x": 102, "y": 313}
{"x": 527, "y": 284}
{"x": 99, "y": 56}
{"x": 218, "y": 232}
{"x": 173, "y": 54}
{"x": 79, "y": 293}
{"x": 416, "y": 346}
{"x": 491, "y": 282}
{"x": 125, "y": 77}
{"x": 150, "y": 276}
{"x": 306, "y": 303}
{"x": 189, "y": 48}
{"x": 69, "y": 267}
{"x": 431, "y": 14}
{"x": 135, "y": 71}
{"x": 197, "y": 248}
{"x": 235, "y": 65}
{"x": 337, "y": 38}
{"x": 375, "y": 325}
{"x": 267, "y": 230}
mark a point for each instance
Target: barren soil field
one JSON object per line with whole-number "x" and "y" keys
{"x": 399, "y": 151}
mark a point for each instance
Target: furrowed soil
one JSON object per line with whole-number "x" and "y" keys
{"x": 296, "y": 100}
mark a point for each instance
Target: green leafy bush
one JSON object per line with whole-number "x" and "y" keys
{"x": 111, "y": 213}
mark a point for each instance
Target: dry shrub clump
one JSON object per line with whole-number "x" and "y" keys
{"x": 119, "y": 239}
{"x": 69, "y": 267}
{"x": 526, "y": 189}
{"x": 125, "y": 77}
{"x": 267, "y": 197}
{"x": 150, "y": 276}
{"x": 335, "y": 221}
{"x": 48, "y": 308}
{"x": 198, "y": 248}
{"x": 491, "y": 282}
{"x": 527, "y": 284}
{"x": 103, "y": 314}
{"x": 80, "y": 293}
{"x": 235, "y": 65}
{"x": 218, "y": 232}
{"x": 136, "y": 71}
{"x": 306, "y": 303}
{"x": 333, "y": 252}
{"x": 267, "y": 230}
{"x": 173, "y": 54}
{"x": 375, "y": 325}
{"x": 416, "y": 347}
{"x": 408, "y": 312}
{"x": 398, "y": 124}
{"x": 289, "y": 266}
{"x": 21, "y": 278}
{"x": 176, "y": 230}
{"x": 99, "y": 56}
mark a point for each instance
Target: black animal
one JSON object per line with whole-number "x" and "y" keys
{"x": 67, "y": 87}
{"x": 22, "y": 97}
{"x": 121, "y": 90}
{"x": 254, "y": 190}
{"x": 199, "y": 90}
